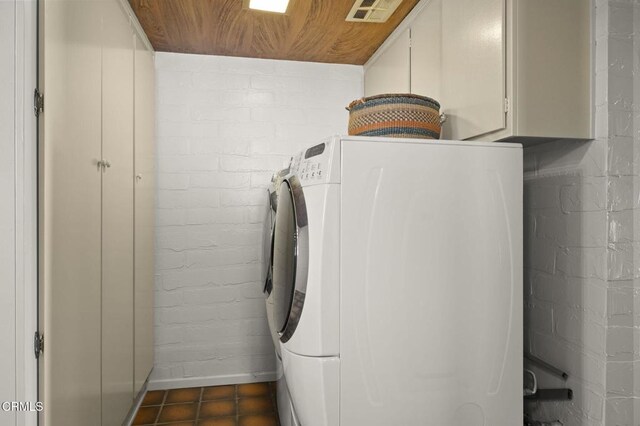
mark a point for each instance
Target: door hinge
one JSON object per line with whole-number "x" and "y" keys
{"x": 506, "y": 105}
{"x": 38, "y": 344}
{"x": 38, "y": 102}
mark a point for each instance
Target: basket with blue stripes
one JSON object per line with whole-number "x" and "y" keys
{"x": 396, "y": 115}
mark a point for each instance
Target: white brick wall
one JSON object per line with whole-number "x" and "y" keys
{"x": 565, "y": 274}
{"x": 223, "y": 126}
{"x": 623, "y": 205}
{"x": 583, "y": 258}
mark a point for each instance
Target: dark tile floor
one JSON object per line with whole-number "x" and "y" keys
{"x": 251, "y": 404}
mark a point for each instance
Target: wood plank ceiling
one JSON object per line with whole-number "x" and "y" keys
{"x": 312, "y": 30}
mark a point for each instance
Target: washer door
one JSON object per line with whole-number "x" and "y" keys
{"x": 267, "y": 243}
{"x": 290, "y": 257}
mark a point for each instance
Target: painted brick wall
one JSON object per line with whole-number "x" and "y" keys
{"x": 582, "y": 266}
{"x": 223, "y": 126}
{"x": 565, "y": 275}
{"x": 622, "y": 101}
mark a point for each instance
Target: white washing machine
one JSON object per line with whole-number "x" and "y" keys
{"x": 397, "y": 283}
{"x": 285, "y": 409}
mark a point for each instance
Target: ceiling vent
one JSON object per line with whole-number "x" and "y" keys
{"x": 373, "y": 11}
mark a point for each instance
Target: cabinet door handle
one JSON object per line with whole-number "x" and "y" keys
{"x": 103, "y": 164}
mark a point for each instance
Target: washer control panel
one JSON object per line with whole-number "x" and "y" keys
{"x": 313, "y": 165}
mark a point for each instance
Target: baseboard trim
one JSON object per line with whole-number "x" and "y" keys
{"x": 193, "y": 382}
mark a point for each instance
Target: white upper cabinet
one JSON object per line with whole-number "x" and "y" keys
{"x": 389, "y": 73}
{"x": 501, "y": 69}
{"x": 426, "y": 51}
{"x": 472, "y": 67}
{"x": 552, "y": 82}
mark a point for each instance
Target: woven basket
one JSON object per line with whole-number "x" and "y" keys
{"x": 395, "y": 115}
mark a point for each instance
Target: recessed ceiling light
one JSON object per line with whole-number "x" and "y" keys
{"x": 278, "y": 6}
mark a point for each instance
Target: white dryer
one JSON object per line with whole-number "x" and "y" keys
{"x": 397, "y": 282}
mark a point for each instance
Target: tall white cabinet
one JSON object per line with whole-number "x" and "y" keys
{"x": 501, "y": 69}
{"x": 117, "y": 214}
{"x": 144, "y": 211}
{"x": 96, "y": 217}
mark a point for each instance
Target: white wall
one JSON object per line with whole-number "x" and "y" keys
{"x": 565, "y": 192}
{"x": 224, "y": 125}
{"x": 17, "y": 207}
{"x": 581, "y": 256}
{"x": 622, "y": 101}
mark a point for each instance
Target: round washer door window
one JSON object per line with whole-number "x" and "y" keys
{"x": 284, "y": 257}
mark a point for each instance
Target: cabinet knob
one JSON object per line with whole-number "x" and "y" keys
{"x": 139, "y": 177}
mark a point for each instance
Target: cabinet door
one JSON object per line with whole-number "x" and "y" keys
{"x": 426, "y": 51}
{"x": 69, "y": 212}
{"x": 117, "y": 215}
{"x": 473, "y": 67}
{"x": 144, "y": 213}
{"x": 554, "y": 90}
{"x": 390, "y": 73}
{"x": 8, "y": 301}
